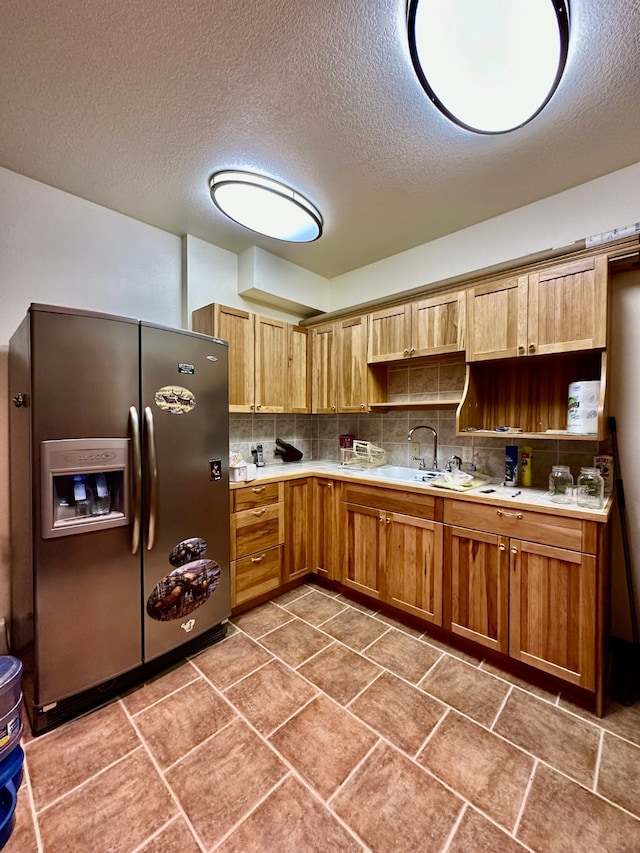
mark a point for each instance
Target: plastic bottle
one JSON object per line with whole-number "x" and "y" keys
{"x": 526, "y": 462}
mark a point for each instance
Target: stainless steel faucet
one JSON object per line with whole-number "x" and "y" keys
{"x": 434, "y": 465}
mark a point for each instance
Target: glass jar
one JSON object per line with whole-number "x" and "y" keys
{"x": 561, "y": 484}
{"x": 590, "y": 488}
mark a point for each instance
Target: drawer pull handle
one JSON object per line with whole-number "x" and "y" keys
{"x": 508, "y": 514}
{"x": 257, "y": 559}
{"x": 258, "y": 490}
{"x": 258, "y": 512}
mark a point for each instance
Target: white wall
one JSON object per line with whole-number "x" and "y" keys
{"x": 61, "y": 250}
{"x": 609, "y": 202}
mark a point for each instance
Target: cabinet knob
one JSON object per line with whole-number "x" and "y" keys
{"x": 381, "y": 518}
{"x": 258, "y": 408}
{"x": 521, "y": 349}
{"x": 514, "y": 550}
{"x": 333, "y": 408}
{"x": 327, "y": 485}
{"x": 532, "y": 347}
{"x": 412, "y": 350}
{"x": 406, "y": 352}
{"x": 502, "y": 546}
{"x": 388, "y": 520}
{"x": 362, "y": 406}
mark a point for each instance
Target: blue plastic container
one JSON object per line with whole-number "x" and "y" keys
{"x": 10, "y": 781}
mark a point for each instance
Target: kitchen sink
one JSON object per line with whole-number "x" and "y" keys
{"x": 397, "y": 472}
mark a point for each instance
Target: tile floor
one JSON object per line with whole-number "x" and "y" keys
{"x": 319, "y": 725}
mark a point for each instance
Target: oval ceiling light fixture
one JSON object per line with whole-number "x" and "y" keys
{"x": 489, "y": 65}
{"x": 265, "y": 206}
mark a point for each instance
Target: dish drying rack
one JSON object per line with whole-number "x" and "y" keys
{"x": 364, "y": 454}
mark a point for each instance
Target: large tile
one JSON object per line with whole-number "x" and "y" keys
{"x": 466, "y": 688}
{"x": 295, "y": 642}
{"x": 468, "y": 657}
{"x": 340, "y": 672}
{"x": 174, "y": 838}
{"x": 480, "y": 766}
{"x": 396, "y": 622}
{"x": 115, "y": 811}
{"x": 559, "y": 738}
{"x": 619, "y": 774}
{"x": 270, "y": 696}
{"x": 623, "y": 720}
{"x": 475, "y": 834}
{"x": 561, "y": 816}
{"x": 403, "y": 655}
{"x": 355, "y": 629}
{"x": 262, "y": 619}
{"x": 230, "y": 660}
{"x": 69, "y": 755}
{"x": 182, "y": 721}
{"x": 324, "y": 743}
{"x": 290, "y": 819}
{"x": 487, "y": 666}
{"x": 395, "y": 807}
{"x": 401, "y": 713}
{"x": 315, "y": 608}
{"x": 224, "y": 779}
{"x": 159, "y": 687}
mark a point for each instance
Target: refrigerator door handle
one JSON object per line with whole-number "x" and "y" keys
{"x": 136, "y": 479}
{"x": 152, "y": 473}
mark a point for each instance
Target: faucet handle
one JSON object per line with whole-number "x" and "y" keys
{"x": 454, "y": 464}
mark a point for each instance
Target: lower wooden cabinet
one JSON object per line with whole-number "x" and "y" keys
{"x": 298, "y": 551}
{"x": 326, "y": 496}
{"x": 256, "y": 575}
{"x": 477, "y": 587}
{"x": 257, "y": 537}
{"x": 363, "y": 548}
{"x": 553, "y": 607}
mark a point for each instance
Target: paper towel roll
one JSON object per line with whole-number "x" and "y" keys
{"x": 582, "y": 417}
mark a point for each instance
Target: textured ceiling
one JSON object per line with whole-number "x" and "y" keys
{"x": 134, "y": 105}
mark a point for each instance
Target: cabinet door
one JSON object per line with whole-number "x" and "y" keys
{"x": 412, "y": 566}
{"x": 298, "y": 528}
{"x": 497, "y": 319}
{"x": 477, "y": 587}
{"x": 352, "y": 364}
{"x": 553, "y": 611}
{"x": 568, "y": 307}
{"x": 237, "y": 327}
{"x": 364, "y": 532}
{"x": 324, "y": 398}
{"x": 270, "y": 365}
{"x": 298, "y": 371}
{"x": 325, "y": 527}
{"x": 389, "y": 334}
{"x": 437, "y": 324}
{"x": 255, "y": 575}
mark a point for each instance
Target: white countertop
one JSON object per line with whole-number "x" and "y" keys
{"x": 492, "y": 492}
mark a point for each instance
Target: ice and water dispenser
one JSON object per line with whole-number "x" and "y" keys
{"x": 84, "y": 485}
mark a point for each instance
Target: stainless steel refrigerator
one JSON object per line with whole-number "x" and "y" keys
{"x": 119, "y": 503}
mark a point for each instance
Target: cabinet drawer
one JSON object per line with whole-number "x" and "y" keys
{"x": 256, "y": 530}
{"x": 516, "y": 522}
{"x": 252, "y": 496}
{"x": 392, "y": 500}
{"x": 257, "y": 574}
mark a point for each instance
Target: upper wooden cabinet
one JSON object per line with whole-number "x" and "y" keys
{"x": 268, "y": 359}
{"x": 352, "y": 364}
{"x": 429, "y": 327}
{"x": 324, "y": 395}
{"x": 559, "y": 309}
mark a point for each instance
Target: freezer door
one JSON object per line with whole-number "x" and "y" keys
{"x": 86, "y": 586}
{"x": 185, "y": 449}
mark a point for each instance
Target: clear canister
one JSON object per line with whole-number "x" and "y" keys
{"x": 590, "y": 488}
{"x": 561, "y": 484}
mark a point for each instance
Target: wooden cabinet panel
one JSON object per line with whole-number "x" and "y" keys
{"x": 393, "y": 500}
{"x": 568, "y": 307}
{"x": 412, "y": 566}
{"x": 255, "y": 529}
{"x": 553, "y": 611}
{"x": 324, "y": 398}
{"x": 364, "y": 530}
{"x": 497, "y": 319}
{"x": 256, "y": 575}
{"x": 515, "y": 522}
{"x": 477, "y": 587}
{"x": 298, "y": 533}
{"x": 326, "y": 495}
{"x": 352, "y": 364}
{"x": 250, "y": 497}
{"x": 389, "y": 334}
{"x": 438, "y": 325}
{"x": 298, "y": 370}
{"x": 270, "y": 365}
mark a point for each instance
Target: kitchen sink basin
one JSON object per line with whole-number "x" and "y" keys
{"x": 397, "y": 472}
